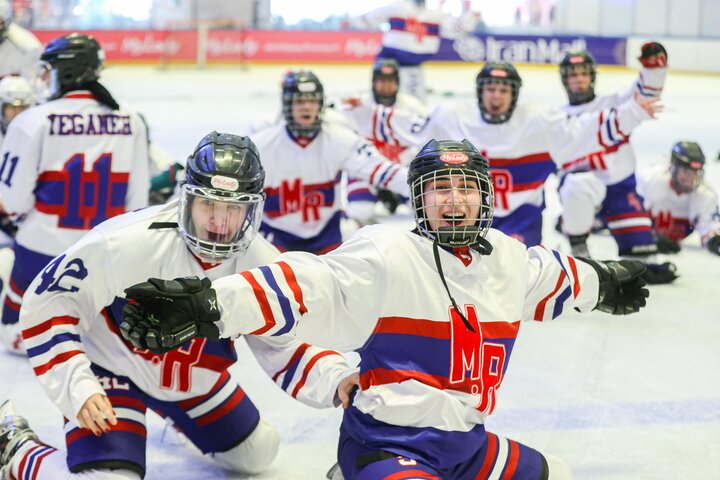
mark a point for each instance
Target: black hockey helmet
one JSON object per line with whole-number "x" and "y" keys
{"x": 687, "y": 156}
{"x": 73, "y": 61}
{"x": 385, "y": 68}
{"x": 498, "y": 72}
{"x": 225, "y": 176}
{"x": 578, "y": 60}
{"x": 436, "y": 162}
{"x": 302, "y": 84}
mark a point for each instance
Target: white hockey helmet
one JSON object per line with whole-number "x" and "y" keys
{"x": 16, "y": 92}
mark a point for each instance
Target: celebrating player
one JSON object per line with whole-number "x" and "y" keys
{"x": 304, "y": 159}
{"x": 375, "y": 115}
{"x": 602, "y": 184}
{"x": 19, "y": 48}
{"x": 680, "y": 201}
{"x": 103, "y": 385}
{"x": 413, "y": 36}
{"x": 525, "y": 144}
{"x": 435, "y": 313}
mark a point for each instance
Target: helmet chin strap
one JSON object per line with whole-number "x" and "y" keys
{"x": 448, "y": 236}
{"x": 436, "y": 254}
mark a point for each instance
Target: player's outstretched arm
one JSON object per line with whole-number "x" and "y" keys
{"x": 163, "y": 314}
{"x": 622, "y": 289}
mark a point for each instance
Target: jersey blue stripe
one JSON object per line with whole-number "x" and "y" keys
{"x": 57, "y": 339}
{"x": 560, "y": 302}
{"x": 282, "y": 299}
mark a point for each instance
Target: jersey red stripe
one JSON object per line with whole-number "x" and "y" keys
{"x": 220, "y": 412}
{"x": 292, "y": 282}
{"x": 262, "y": 300}
{"x": 299, "y": 352}
{"x": 490, "y": 453}
{"x": 512, "y": 461}
{"x": 48, "y": 324}
{"x": 308, "y": 367}
{"x": 540, "y": 309}
{"x": 63, "y": 357}
{"x": 576, "y": 279}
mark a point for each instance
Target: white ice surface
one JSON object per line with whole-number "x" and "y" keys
{"x": 616, "y": 397}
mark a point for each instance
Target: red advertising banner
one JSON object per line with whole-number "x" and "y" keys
{"x": 227, "y": 46}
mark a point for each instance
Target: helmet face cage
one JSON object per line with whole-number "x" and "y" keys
{"x": 217, "y": 225}
{"x": 687, "y": 166}
{"x": 578, "y": 62}
{"x": 453, "y": 206}
{"x": 498, "y": 74}
{"x": 302, "y": 86}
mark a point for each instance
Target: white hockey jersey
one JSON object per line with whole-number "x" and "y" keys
{"x": 526, "y": 149}
{"x": 677, "y": 215}
{"x": 385, "y": 126}
{"x": 71, "y": 312}
{"x": 68, "y": 165}
{"x": 415, "y": 31}
{"x": 421, "y": 367}
{"x": 19, "y": 53}
{"x": 615, "y": 162}
{"x": 303, "y": 184}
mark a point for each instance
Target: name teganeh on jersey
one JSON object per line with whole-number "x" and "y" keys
{"x": 90, "y": 124}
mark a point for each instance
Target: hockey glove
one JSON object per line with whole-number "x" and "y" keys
{"x": 164, "y": 314}
{"x": 391, "y": 200}
{"x": 653, "y": 55}
{"x": 667, "y": 244}
{"x": 621, "y": 285}
{"x": 660, "y": 273}
{"x": 713, "y": 244}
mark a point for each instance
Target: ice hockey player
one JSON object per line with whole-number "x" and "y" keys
{"x": 375, "y": 115}
{"x": 413, "y": 36}
{"x": 525, "y": 143}
{"x": 16, "y": 96}
{"x": 104, "y": 386}
{"x": 19, "y": 48}
{"x": 602, "y": 184}
{"x": 446, "y": 304}
{"x": 69, "y": 164}
{"x": 304, "y": 158}
{"x": 680, "y": 201}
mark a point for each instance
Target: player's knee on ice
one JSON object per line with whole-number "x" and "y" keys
{"x": 255, "y": 453}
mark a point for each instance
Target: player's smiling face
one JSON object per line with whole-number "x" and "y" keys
{"x": 497, "y": 98}
{"x": 305, "y": 111}
{"x": 217, "y": 221}
{"x": 451, "y": 201}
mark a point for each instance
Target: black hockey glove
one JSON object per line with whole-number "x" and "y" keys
{"x": 391, "y": 200}
{"x": 653, "y": 55}
{"x": 164, "y": 314}
{"x": 660, "y": 273}
{"x": 667, "y": 244}
{"x": 621, "y": 285}
{"x": 713, "y": 244}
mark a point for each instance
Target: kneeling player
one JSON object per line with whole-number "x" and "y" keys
{"x": 104, "y": 386}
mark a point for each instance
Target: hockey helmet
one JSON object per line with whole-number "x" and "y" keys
{"x": 71, "y": 62}
{"x": 302, "y": 85}
{"x": 445, "y": 172}
{"x": 14, "y": 92}
{"x": 503, "y": 73}
{"x": 385, "y": 68}
{"x": 222, "y": 201}
{"x": 574, "y": 61}
{"x": 687, "y": 166}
